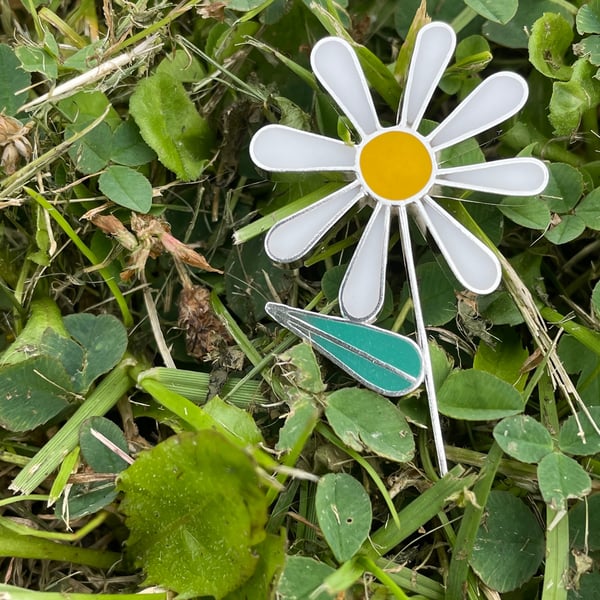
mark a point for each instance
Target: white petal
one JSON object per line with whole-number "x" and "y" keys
{"x": 335, "y": 64}
{"x": 513, "y": 177}
{"x": 493, "y": 101}
{"x": 281, "y": 148}
{"x": 434, "y": 47}
{"x": 471, "y": 261}
{"x": 292, "y": 237}
{"x": 363, "y": 288}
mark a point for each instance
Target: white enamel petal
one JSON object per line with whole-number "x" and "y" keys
{"x": 493, "y": 101}
{"x": 434, "y": 47}
{"x": 280, "y": 148}
{"x": 335, "y": 64}
{"x": 471, "y": 261}
{"x": 362, "y": 290}
{"x": 511, "y": 177}
{"x": 292, "y": 237}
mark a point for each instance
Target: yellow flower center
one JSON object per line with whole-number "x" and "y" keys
{"x": 395, "y": 165}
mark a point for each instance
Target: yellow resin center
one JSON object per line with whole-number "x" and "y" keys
{"x": 395, "y": 165}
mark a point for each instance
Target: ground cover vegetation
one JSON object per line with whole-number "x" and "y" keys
{"x": 160, "y": 433}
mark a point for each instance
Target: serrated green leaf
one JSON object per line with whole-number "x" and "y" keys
{"x": 568, "y": 229}
{"x": 302, "y": 579}
{"x": 128, "y": 147}
{"x": 478, "y": 396}
{"x": 571, "y": 442}
{"x": 127, "y": 188}
{"x": 13, "y": 79}
{"x": 367, "y": 421}
{"x": 499, "y": 12}
{"x": 523, "y": 438}
{"x": 97, "y": 454}
{"x": 551, "y": 37}
{"x": 171, "y": 125}
{"x": 561, "y": 478}
{"x": 509, "y": 546}
{"x": 200, "y": 538}
{"x": 344, "y": 514}
{"x": 588, "y": 18}
{"x": 32, "y": 392}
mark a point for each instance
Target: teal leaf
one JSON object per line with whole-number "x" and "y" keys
{"x": 196, "y": 511}
{"x": 302, "y": 579}
{"x": 474, "y": 395}
{"x": 127, "y": 188}
{"x": 561, "y": 478}
{"x": 571, "y": 442}
{"x": 384, "y": 361}
{"x": 32, "y": 392}
{"x": 523, "y": 438}
{"x": 509, "y": 545}
{"x": 171, "y": 125}
{"x": 588, "y": 18}
{"x": 344, "y": 514}
{"x": 366, "y": 421}
{"x": 104, "y": 340}
{"x": 13, "y": 79}
{"x": 499, "y": 12}
{"x": 98, "y": 455}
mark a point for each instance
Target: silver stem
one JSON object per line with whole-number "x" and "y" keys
{"x": 411, "y": 272}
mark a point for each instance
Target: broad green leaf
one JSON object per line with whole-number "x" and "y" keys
{"x": 561, "y": 478}
{"x": 34, "y": 59}
{"x": 301, "y": 369}
{"x": 344, "y": 514}
{"x": 91, "y": 153}
{"x": 584, "y": 524}
{"x": 128, "y": 147}
{"x": 171, "y": 125}
{"x": 182, "y": 66}
{"x": 299, "y": 423}
{"x": 32, "y": 392}
{"x": 71, "y": 356}
{"x": 86, "y": 58}
{"x": 98, "y": 455}
{"x": 588, "y": 588}
{"x": 84, "y": 107}
{"x": 499, "y": 12}
{"x": 509, "y": 546}
{"x": 234, "y": 420}
{"x": 569, "y": 440}
{"x": 244, "y": 5}
{"x": 478, "y": 396}
{"x": 127, "y": 188}
{"x": 504, "y": 360}
{"x": 589, "y": 209}
{"x": 571, "y": 99}
{"x": 523, "y": 438}
{"x": 196, "y": 512}
{"x": 302, "y": 579}
{"x": 84, "y": 499}
{"x": 13, "y": 79}
{"x": 588, "y": 18}
{"x": 384, "y": 361}
{"x": 45, "y": 315}
{"x": 569, "y": 229}
{"x": 104, "y": 340}
{"x": 564, "y": 188}
{"x": 526, "y": 211}
{"x": 367, "y": 421}
{"x": 515, "y": 34}
{"x": 436, "y": 287}
{"x": 271, "y": 558}
{"x": 551, "y": 37}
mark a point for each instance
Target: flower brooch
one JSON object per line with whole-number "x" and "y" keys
{"x": 396, "y": 170}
